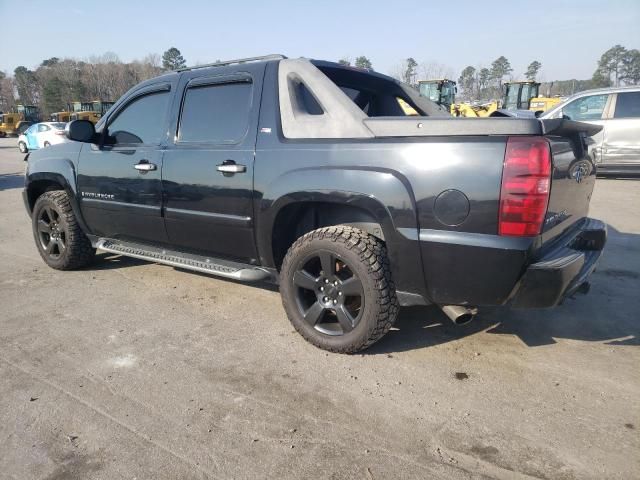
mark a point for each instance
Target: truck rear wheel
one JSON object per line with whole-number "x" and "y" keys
{"x": 60, "y": 241}
{"x": 337, "y": 289}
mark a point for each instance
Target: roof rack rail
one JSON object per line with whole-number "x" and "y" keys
{"x": 275, "y": 56}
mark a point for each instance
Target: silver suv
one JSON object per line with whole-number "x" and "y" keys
{"x": 617, "y": 146}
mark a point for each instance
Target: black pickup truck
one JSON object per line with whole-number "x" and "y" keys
{"x": 320, "y": 177}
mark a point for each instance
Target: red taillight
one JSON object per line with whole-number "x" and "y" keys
{"x": 526, "y": 183}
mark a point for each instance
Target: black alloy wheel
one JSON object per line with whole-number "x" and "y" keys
{"x": 52, "y": 233}
{"x": 329, "y": 294}
{"x": 61, "y": 242}
{"x": 337, "y": 289}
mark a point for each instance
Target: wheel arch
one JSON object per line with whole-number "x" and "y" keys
{"x": 40, "y": 182}
{"x": 378, "y": 200}
{"x": 303, "y": 212}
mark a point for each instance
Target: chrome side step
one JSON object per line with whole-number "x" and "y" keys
{"x": 212, "y": 266}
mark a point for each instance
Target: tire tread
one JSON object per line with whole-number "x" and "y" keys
{"x": 373, "y": 254}
{"x": 80, "y": 252}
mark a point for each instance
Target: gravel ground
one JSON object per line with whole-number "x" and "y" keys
{"x": 134, "y": 370}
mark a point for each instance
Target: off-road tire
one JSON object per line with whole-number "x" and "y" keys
{"x": 78, "y": 251}
{"x": 367, "y": 257}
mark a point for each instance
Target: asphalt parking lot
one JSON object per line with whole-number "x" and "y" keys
{"x": 135, "y": 370}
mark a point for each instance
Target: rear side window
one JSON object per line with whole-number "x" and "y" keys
{"x": 142, "y": 121}
{"x": 216, "y": 113}
{"x": 627, "y": 105}
{"x": 586, "y": 108}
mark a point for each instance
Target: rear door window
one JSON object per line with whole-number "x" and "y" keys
{"x": 627, "y": 105}
{"x": 216, "y": 113}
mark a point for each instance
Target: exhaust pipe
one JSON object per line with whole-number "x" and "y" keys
{"x": 459, "y": 314}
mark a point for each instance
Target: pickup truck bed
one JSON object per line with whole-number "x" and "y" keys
{"x": 309, "y": 174}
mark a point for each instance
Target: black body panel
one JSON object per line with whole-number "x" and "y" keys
{"x": 207, "y": 210}
{"x": 116, "y": 200}
{"x": 433, "y": 196}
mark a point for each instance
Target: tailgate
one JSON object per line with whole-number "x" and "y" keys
{"x": 573, "y": 174}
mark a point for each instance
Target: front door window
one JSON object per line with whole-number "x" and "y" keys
{"x": 140, "y": 122}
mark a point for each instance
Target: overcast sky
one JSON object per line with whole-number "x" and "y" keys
{"x": 568, "y": 37}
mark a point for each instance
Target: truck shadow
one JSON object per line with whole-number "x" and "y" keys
{"x": 110, "y": 261}
{"x": 608, "y": 314}
{"x": 9, "y": 181}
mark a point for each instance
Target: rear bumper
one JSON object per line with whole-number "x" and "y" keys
{"x": 562, "y": 270}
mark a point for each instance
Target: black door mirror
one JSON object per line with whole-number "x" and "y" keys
{"x": 80, "y": 131}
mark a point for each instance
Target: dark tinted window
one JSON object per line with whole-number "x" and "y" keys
{"x": 216, "y": 113}
{"x": 142, "y": 121}
{"x": 627, "y": 105}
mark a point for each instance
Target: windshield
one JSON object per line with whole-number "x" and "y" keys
{"x": 529, "y": 91}
{"x": 511, "y": 100}
{"x": 447, "y": 93}
{"x": 58, "y": 125}
{"x": 430, "y": 91}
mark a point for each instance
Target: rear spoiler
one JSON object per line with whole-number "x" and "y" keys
{"x": 576, "y": 131}
{"x": 568, "y": 128}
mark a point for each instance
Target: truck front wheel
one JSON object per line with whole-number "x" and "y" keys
{"x": 61, "y": 242}
{"x": 337, "y": 289}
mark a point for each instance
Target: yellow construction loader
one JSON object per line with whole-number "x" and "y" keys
{"x": 91, "y": 111}
{"x": 13, "y": 123}
{"x": 474, "y": 110}
{"x": 441, "y": 91}
{"x": 525, "y": 96}
{"x": 517, "y": 96}
{"x": 63, "y": 116}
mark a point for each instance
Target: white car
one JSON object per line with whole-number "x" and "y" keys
{"x": 40, "y": 135}
{"x": 616, "y": 148}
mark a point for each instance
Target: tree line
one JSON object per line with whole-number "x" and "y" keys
{"x": 617, "y": 66}
{"x": 58, "y": 81}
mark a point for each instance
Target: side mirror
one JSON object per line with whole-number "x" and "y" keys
{"x": 80, "y": 131}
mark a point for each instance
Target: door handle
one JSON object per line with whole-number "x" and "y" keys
{"x": 145, "y": 166}
{"x": 229, "y": 166}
